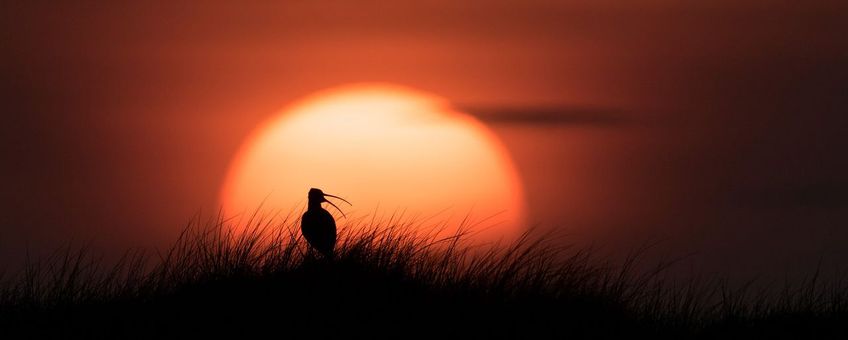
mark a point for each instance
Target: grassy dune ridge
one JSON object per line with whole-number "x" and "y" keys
{"x": 258, "y": 276}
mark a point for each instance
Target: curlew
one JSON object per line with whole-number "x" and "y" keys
{"x": 317, "y": 225}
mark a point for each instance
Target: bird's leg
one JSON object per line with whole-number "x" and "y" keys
{"x": 310, "y": 254}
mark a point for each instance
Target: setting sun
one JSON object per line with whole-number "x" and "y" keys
{"x": 385, "y": 148}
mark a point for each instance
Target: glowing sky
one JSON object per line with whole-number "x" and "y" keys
{"x": 722, "y": 122}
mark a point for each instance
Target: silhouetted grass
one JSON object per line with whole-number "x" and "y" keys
{"x": 388, "y": 281}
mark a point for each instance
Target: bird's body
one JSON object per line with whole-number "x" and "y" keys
{"x": 318, "y": 226}
{"x": 319, "y": 229}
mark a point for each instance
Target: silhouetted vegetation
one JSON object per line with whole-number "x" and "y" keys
{"x": 387, "y": 281}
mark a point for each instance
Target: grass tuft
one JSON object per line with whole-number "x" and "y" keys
{"x": 223, "y": 277}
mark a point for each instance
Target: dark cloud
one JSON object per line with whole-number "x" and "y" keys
{"x": 549, "y": 116}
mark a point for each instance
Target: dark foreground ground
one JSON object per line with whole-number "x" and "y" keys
{"x": 385, "y": 283}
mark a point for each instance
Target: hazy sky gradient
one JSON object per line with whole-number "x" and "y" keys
{"x": 720, "y": 122}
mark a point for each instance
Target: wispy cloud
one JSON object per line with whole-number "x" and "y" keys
{"x": 585, "y": 116}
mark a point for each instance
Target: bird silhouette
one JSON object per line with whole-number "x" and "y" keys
{"x": 318, "y": 226}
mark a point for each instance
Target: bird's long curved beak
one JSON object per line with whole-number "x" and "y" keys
{"x": 334, "y": 196}
{"x": 334, "y": 206}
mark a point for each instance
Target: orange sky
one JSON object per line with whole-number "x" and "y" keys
{"x": 122, "y": 119}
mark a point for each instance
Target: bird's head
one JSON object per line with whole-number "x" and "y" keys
{"x": 318, "y": 196}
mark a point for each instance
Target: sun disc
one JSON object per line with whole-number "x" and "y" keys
{"x": 384, "y": 146}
